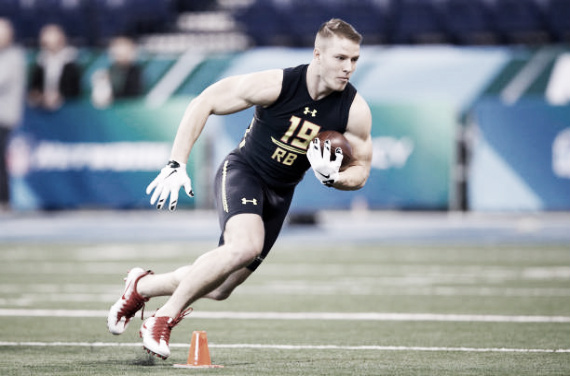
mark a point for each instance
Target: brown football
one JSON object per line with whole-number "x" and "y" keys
{"x": 337, "y": 140}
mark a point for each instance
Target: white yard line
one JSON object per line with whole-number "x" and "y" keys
{"x": 289, "y": 347}
{"x": 373, "y": 316}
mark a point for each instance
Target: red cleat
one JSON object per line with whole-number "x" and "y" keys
{"x": 128, "y": 304}
{"x": 155, "y": 333}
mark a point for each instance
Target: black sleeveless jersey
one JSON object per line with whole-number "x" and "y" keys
{"x": 278, "y": 137}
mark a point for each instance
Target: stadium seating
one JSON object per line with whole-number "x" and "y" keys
{"x": 130, "y": 17}
{"x": 557, "y": 15}
{"x": 469, "y": 22}
{"x": 520, "y": 21}
{"x": 264, "y": 23}
{"x": 417, "y": 21}
{"x": 373, "y": 19}
{"x": 303, "y": 19}
{"x": 293, "y": 22}
{"x": 90, "y": 22}
{"x": 462, "y": 22}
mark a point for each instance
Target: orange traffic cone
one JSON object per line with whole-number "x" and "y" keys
{"x": 199, "y": 354}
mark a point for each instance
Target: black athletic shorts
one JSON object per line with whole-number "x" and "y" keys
{"x": 239, "y": 189}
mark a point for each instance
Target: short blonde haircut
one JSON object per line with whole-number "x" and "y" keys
{"x": 339, "y": 28}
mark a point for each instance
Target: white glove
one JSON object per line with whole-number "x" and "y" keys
{"x": 325, "y": 170}
{"x": 171, "y": 178}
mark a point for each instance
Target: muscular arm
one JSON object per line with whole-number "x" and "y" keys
{"x": 227, "y": 96}
{"x": 358, "y": 135}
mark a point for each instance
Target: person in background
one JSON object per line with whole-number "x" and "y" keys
{"x": 55, "y": 77}
{"x": 123, "y": 78}
{"x": 12, "y": 88}
{"x": 125, "y": 73}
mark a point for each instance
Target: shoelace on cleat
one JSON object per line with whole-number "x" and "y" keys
{"x": 135, "y": 302}
{"x": 165, "y": 324}
{"x": 180, "y": 316}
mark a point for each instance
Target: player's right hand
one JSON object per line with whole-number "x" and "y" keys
{"x": 171, "y": 178}
{"x": 325, "y": 170}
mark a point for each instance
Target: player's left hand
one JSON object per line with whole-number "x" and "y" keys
{"x": 325, "y": 170}
{"x": 171, "y": 178}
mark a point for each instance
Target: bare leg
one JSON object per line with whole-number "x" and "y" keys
{"x": 243, "y": 236}
{"x": 165, "y": 284}
{"x": 225, "y": 289}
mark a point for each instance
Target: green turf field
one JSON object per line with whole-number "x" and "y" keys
{"x": 332, "y": 310}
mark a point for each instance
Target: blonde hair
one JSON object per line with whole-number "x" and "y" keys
{"x": 339, "y": 28}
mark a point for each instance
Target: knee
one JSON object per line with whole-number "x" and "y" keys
{"x": 244, "y": 237}
{"x": 245, "y": 250}
{"x": 244, "y": 253}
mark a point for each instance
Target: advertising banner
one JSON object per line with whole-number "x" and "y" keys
{"x": 83, "y": 157}
{"x": 521, "y": 157}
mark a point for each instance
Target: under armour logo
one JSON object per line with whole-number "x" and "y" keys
{"x": 309, "y": 111}
{"x": 245, "y": 201}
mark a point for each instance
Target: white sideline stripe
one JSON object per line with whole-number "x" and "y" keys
{"x": 305, "y": 316}
{"x": 288, "y": 347}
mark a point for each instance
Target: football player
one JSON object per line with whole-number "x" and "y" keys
{"x": 255, "y": 183}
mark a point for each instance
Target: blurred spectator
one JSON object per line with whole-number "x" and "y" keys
{"x": 125, "y": 72}
{"x": 123, "y": 79}
{"x": 55, "y": 77}
{"x": 12, "y": 87}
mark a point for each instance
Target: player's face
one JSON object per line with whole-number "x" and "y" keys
{"x": 338, "y": 62}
